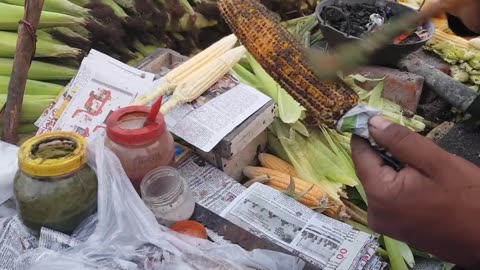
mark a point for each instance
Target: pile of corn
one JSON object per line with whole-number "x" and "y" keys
{"x": 462, "y": 54}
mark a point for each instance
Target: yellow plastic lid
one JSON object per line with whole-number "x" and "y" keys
{"x": 62, "y": 164}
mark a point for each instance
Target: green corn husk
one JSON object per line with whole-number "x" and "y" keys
{"x": 8, "y": 43}
{"x": 40, "y": 70}
{"x": 127, "y": 4}
{"x": 59, "y": 6}
{"x": 69, "y": 37}
{"x": 42, "y": 35}
{"x": 10, "y": 15}
{"x": 69, "y": 32}
{"x": 33, "y": 87}
{"x": 145, "y": 50}
{"x": 81, "y": 3}
{"x": 115, "y": 7}
{"x": 28, "y": 128}
{"x": 32, "y": 107}
{"x": 82, "y": 31}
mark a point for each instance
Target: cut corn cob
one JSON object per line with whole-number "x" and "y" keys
{"x": 283, "y": 180}
{"x": 39, "y": 70}
{"x": 282, "y": 57}
{"x": 8, "y": 43}
{"x": 32, "y": 87}
{"x": 275, "y": 163}
{"x": 60, "y": 6}
{"x": 200, "y": 81}
{"x": 178, "y": 74}
{"x": 10, "y": 15}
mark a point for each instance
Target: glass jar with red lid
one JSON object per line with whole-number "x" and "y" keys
{"x": 140, "y": 148}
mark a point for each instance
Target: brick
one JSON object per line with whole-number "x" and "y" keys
{"x": 403, "y": 88}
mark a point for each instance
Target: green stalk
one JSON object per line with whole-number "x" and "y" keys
{"x": 10, "y": 15}
{"x": 8, "y": 45}
{"x": 60, "y": 6}
{"x": 40, "y": 70}
{"x": 33, "y": 87}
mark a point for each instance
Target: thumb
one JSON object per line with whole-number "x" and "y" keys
{"x": 407, "y": 146}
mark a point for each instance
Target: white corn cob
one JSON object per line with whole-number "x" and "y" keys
{"x": 184, "y": 70}
{"x": 200, "y": 81}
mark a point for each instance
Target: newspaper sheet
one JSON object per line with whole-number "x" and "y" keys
{"x": 211, "y": 188}
{"x": 323, "y": 241}
{"x": 15, "y": 239}
{"x": 103, "y": 84}
{"x": 265, "y": 212}
{"x": 207, "y": 120}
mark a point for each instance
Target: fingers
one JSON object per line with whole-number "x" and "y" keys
{"x": 407, "y": 146}
{"x": 369, "y": 166}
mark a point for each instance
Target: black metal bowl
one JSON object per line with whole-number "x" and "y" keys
{"x": 391, "y": 53}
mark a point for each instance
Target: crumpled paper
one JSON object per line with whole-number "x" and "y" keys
{"x": 356, "y": 120}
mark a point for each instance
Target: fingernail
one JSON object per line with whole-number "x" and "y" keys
{"x": 379, "y": 122}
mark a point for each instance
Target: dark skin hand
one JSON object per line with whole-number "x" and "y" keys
{"x": 469, "y": 12}
{"x": 432, "y": 204}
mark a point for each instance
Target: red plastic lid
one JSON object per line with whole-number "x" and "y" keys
{"x": 118, "y": 131}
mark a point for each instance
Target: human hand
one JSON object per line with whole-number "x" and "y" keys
{"x": 432, "y": 204}
{"x": 466, "y": 10}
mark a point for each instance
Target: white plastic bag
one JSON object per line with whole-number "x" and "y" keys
{"x": 8, "y": 169}
{"x": 126, "y": 235}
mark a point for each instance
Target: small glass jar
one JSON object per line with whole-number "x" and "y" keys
{"x": 139, "y": 148}
{"x": 168, "y": 195}
{"x": 54, "y": 186}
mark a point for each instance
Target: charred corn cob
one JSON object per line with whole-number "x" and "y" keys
{"x": 282, "y": 57}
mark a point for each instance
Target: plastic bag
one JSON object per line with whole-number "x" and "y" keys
{"x": 126, "y": 235}
{"x": 8, "y": 169}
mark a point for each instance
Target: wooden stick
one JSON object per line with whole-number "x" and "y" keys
{"x": 23, "y": 58}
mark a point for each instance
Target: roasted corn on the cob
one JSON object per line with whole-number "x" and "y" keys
{"x": 282, "y": 57}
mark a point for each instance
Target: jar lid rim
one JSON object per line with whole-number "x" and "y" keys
{"x": 36, "y": 166}
{"x": 139, "y": 136}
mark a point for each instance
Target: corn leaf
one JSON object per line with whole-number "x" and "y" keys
{"x": 406, "y": 253}
{"x": 394, "y": 250}
{"x": 289, "y": 110}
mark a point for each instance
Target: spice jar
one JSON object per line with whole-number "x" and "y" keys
{"x": 168, "y": 195}
{"x": 54, "y": 186}
{"x": 139, "y": 148}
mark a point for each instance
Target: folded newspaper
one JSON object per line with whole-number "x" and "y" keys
{"x": 104, "y": 84}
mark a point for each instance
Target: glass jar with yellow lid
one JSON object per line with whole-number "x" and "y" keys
{"x": 54, "y": 187}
